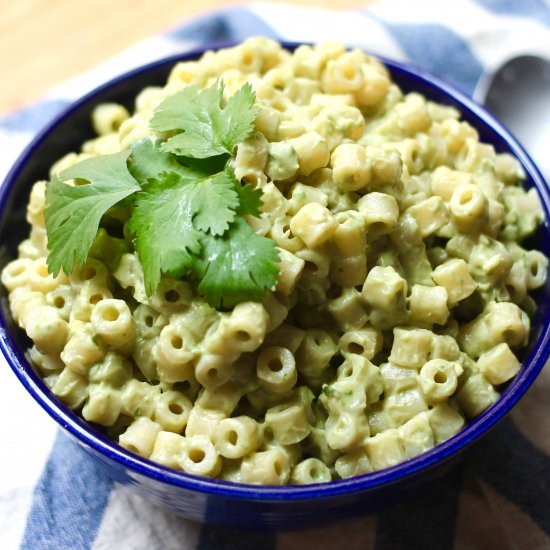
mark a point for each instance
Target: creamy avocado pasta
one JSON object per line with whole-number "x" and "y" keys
{"x": 279, "y": 269}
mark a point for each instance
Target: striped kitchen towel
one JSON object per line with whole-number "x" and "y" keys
{"x": 498, "y": 497}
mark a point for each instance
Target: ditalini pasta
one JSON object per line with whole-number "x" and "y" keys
{"x": 401, "y": 300}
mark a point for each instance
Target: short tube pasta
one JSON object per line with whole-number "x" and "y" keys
{"x": 438, "y": 379}
{"x": 140, "y": 436}
{"x": 48, "y": 330}
{"x": 174, "y": 353}
{"x": 276, "y": 369}
{"x": 350, "y": 169}
{"x": 291, "y": 268}
{"x": 108, "y": 117}
{"x": 384, "y": 287}
{"x": 380, "y": 212}
{"x": 172, "y": 411}
{"x": 468, "y": 207}
{"x": 366, "y": 341}
{"x": 112, "y": 321}
{"x": 237, "y": 437}
{"x": 310, "y": 470}
{"x": 200, "y": 457}
{"x": 289, "y": 424}
{"x": 313, "y": 153}
{"x": 428, "y": 304}
{"x": 103, "y": 405}
{"x": 167, "y": 449}
{"x": 314, "y": 224}
{"x": 269, "y": 467}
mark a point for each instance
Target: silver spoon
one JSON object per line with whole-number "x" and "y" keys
{"x": 518, "y": 93}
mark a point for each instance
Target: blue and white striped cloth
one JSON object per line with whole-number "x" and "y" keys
{"x": 52, "y": 497}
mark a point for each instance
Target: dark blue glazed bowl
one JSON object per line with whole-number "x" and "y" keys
{"x": 221, "y": 502}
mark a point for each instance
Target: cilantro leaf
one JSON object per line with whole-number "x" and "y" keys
{"x": 172, "y": 213}
{"x": 215, "y": 202}
{"x": 148, "y": 161}
{"x": 237, "y": 266}
{"x": 73, "y": 213}
{"x": 211, "y": 165}
{"x": 162, "y": 223}
{"x": 250, "y": 200}
{"x": 239, "y": 116}
{"x": 202, "y": 127}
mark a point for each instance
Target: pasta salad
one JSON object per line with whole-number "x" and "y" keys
{"x": 279, "y": 269}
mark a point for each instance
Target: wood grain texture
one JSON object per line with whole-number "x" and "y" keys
{"x": 43, "y": 42}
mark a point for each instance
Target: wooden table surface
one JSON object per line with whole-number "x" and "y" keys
{"x": 43, "y": 42}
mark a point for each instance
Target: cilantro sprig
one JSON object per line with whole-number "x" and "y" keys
{"x": 186, "y": 208}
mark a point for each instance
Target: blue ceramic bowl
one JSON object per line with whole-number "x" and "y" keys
{"x": 210, "y": 500}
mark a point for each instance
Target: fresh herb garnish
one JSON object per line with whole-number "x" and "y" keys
{"x": 237, "y": 266}
{"x": 186, "y": 206}
{"x": 73, "y": 213}
{"x": 205, "y": 128}
{"x": 171, "y": 214}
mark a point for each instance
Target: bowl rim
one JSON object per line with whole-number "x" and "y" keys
{"x": 138, "y": 467}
